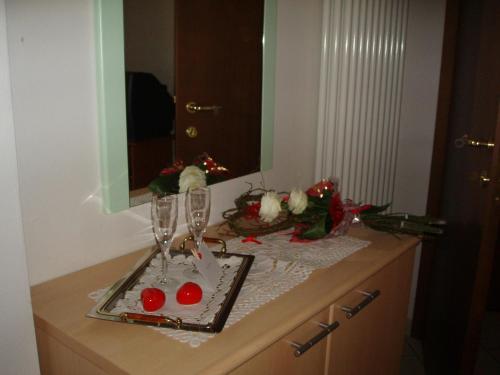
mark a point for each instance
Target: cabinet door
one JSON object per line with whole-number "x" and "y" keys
{"x": 371, "y": 341}
{"x": 280, "y": 359}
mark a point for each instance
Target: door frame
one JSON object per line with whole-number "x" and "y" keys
{"x": 486, "y": 253}
{"x": 436, "y": 181}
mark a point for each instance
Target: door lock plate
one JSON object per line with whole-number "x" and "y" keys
{"x": 192, "y": 132}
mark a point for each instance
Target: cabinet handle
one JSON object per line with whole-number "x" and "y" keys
{"x": 302, "y": 348}
{"x": 369, "y": 297}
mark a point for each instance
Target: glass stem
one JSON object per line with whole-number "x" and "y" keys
{"x": 198, "y": 242}
{"x": 164, "y": 266}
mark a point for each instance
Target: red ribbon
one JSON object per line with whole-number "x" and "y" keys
{"x": 295, "y": 234}
{"x": 251, "y": 239}
{"x": 359, "y": 209}
{"x": 300, "y": 240}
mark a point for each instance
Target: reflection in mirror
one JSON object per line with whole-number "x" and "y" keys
{"x": 111, "y": 96}
{"x": 149, "y": 82}
{"x": 213, "y": 69}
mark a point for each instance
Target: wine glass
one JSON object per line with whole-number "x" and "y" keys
{"x": 164, "y": 215}
{"x": 197, "y": 213}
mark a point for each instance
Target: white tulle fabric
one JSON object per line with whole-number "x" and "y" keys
{"x": 279, "y": 266}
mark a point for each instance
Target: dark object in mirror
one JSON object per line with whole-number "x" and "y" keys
{"x": 150, "y": 108}
{"x": 150, "y": 127}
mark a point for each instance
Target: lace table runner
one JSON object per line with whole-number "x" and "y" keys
{"x": 279, "y": 266}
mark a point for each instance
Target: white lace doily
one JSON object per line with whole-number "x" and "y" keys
{"x": 279, "y": 266}
{"x": 200, "y": 313}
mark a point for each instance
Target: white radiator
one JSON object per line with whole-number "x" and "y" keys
{"x": 360, "y": 96}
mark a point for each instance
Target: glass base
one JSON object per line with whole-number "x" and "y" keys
{"x": 168, "y": 285}
{"x": 192, "y": 273}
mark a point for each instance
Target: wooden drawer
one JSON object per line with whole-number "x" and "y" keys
{"x": 371, "y": 341}
{"x": 279, "y": 358}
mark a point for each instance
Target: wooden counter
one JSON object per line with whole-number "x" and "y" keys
{"x": 69, "y": 340}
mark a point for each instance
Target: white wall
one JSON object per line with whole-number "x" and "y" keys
{"x": 17, "y": 335}
{"x": 149, "y": 39}
{"x": 418, "y": 115}
{"x": 51, "y": 45}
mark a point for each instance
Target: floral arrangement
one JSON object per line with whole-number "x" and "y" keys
{"x": 316, "y": 213}
{"x": 178, "y": 178}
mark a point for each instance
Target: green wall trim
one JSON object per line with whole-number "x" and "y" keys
{"x": 268, "y": 85}
{"x": 112, "y": 119}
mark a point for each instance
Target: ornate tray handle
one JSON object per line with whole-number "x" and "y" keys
{"x": 150, "y": 319}
{"x": 222, "y": 250}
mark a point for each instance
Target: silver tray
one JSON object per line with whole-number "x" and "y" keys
{"x": 103, "y": 309}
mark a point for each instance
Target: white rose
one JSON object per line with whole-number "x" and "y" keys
{"x": 297, "y": 202}
{"x": 191, "y": 177}
{"x": 270, "y": 207}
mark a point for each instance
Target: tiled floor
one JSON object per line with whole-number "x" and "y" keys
{"x": 488, "y": 358}
{"x": 412, "y": 360}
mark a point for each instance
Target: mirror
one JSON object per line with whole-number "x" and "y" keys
{"x": 112, "y": 104}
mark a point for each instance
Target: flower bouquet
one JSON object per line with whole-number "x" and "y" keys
{"x": 178, "y": 178}
{"x": 246, "y": 219}
{"x": 316, "y": 213}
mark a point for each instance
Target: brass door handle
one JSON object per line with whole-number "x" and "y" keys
{"x": 326, "y": 330}
{"x": 466, "y": 141}
{"x": 369, "y": 297}
{"x": 484, "y": 179}
{"x": 192, "y": 108}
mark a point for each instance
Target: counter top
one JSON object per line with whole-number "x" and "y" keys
{"x": 60, "y": 306}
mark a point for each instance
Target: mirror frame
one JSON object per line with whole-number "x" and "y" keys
{"x": 111, "y": 104}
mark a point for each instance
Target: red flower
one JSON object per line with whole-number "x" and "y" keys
{"x": 177, "y": 167}
{"x": 169, "y": 171}
{"x": 179, "y": 164}
{"x": 252, "y": 211}
{"x": 336, "y": 210}
{"x": 209, "y": 165}
{"x": 320, "y": 188}
{"x": 285, "y": 198}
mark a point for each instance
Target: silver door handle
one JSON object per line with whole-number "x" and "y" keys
{"x": 369, "y": 297}
{"x": 326, "y": 329}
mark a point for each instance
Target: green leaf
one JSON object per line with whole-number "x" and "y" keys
{"x": 317, "y": 202}
{"x": 165, "y": 184}
{"x": 319, "y": 229}
{"x": 403, "y": 223}
{"x": 375, "y": 209}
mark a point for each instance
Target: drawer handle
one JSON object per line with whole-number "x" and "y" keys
{"x": 302, "y": 348}
{"x": 369, "y": 297}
